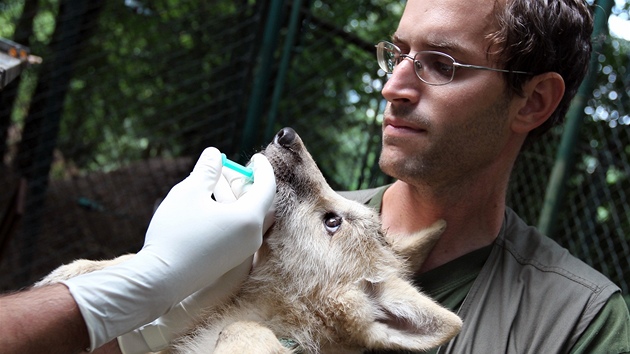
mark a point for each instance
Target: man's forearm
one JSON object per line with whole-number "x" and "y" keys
{"x": 43, "y": 320}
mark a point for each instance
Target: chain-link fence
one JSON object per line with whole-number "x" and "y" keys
{"x": 129, "y": 93}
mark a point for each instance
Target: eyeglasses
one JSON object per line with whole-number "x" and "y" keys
{"x": 433, "y": 68}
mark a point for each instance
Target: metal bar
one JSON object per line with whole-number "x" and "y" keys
{"x": 256, "y": 100}
{"x": 282, "y": 71}
{"x": 10, "y": 68}
{"x": 565, "y": 158}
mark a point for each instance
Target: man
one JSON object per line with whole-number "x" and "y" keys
{"x": 453, "y": 127}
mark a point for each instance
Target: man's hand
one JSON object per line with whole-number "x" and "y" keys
{"x": 191, "y": 242}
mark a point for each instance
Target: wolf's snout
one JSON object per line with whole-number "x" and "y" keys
{"x": 285, "y": 137}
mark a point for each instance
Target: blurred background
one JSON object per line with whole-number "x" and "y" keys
{"x": 129, "y": 92}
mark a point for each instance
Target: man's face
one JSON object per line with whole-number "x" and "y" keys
{"x": 437, "y": 134}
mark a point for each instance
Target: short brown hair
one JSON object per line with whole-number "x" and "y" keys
{"x": 540, "y": 36}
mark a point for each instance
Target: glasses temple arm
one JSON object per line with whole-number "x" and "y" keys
{"x": 491, "y": 69}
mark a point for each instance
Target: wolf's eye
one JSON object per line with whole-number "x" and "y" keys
{"x": 332, "y": 222}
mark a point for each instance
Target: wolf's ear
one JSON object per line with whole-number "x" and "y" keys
{"x": 407, "y": 319}
{"x": 415, "y": 248}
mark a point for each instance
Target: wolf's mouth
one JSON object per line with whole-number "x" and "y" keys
{"x": 281, "y": 168}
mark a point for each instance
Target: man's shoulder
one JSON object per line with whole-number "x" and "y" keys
{"x": 363, "y": 195}
{"x": 536, "y": 252}
{"x": 544, "y": 297}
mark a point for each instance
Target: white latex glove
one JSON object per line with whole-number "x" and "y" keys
{"x": 158, "y": 334}
{"x": 231, "y": 186}
{"x": 191, "y": 241}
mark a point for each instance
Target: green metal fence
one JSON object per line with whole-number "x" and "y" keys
{"x": 129, "y": 93}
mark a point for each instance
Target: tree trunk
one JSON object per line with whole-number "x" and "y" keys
{"x": 75, "y": 24}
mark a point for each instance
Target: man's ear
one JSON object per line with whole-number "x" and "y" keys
{"x": 542, "y": 94}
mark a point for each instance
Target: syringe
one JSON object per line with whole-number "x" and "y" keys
{"x": 245, "y": 171}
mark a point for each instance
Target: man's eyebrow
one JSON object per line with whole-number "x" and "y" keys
{"x": 395, "y": 38}
{"x": 434, "y": 43}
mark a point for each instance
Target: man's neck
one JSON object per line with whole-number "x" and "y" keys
{"x": 473, "y": 215}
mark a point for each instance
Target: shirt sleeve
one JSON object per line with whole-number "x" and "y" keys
{"x": 610, "y": 330}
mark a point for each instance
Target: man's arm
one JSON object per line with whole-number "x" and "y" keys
{"x": 610, "y": 330}
{"x": 191, "y": 242}
{"x": 43, "y": 320}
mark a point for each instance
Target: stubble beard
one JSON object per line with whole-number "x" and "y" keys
{"x": 443, "y": 161}
{"x": 411, "y": 166}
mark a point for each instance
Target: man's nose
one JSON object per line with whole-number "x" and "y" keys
{"x": 403, "y": 85}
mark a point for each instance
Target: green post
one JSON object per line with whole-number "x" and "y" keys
{"x": 565, "y": 158}
{"x": 284, "y": 66}
{"x": 256, "y": 100}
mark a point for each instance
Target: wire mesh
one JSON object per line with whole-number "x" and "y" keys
{"x": 156, "y": 82}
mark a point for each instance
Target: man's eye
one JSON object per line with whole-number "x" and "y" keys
{"x": 441, "y": 67}
{"x": 445, "y": 69}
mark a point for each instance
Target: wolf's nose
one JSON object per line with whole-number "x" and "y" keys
{"x": 285, "y": 137}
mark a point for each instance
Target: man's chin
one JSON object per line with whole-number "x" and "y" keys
{"x": 391, "y": 164}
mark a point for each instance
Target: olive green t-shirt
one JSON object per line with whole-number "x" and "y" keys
{"x": 449, "y": 284}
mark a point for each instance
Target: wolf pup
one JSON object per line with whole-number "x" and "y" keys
{"x": 326, "y": 280}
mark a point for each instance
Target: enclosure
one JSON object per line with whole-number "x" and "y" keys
{"x": 130, "y": 92}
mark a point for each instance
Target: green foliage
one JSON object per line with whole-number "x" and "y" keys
{"x": 154, "y": 78}
{"x": 335, "y": 79}
{"x": 149, "y": 81}
{"x": 9, "y": 13}
{"x": 169, "y": 77}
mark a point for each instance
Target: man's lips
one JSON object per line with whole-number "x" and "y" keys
{"x": 396, "y": 126}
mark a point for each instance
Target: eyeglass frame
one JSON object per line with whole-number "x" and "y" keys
{"x": 383, "y": 64}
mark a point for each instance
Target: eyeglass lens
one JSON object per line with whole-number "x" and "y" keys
{"x": 433, "y": 68}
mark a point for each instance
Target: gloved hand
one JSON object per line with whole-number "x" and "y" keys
{"x": 231, "y": 186}
{"x": 158, "y": 334}
{"x": 191, "y": 241}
